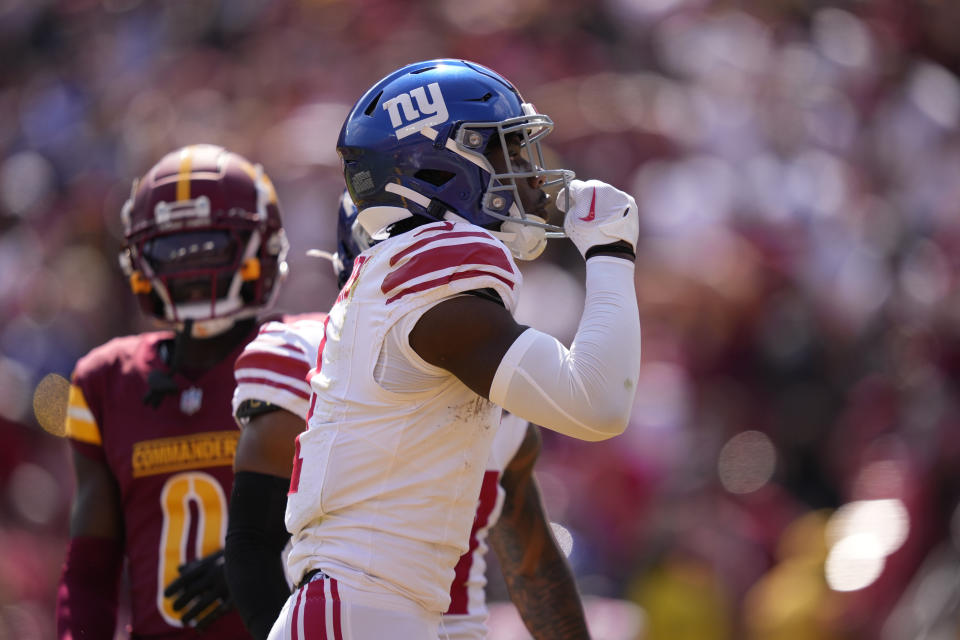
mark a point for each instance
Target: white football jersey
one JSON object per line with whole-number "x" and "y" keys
{"x": 466, "y": 618}
{"x": 273, "y": 367}
{"x": 385, "y": 483}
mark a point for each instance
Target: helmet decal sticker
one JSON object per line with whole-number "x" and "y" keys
{"x": 404, "y": 102}
{"x": 362, "y": 182}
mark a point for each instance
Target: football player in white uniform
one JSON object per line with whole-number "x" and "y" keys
{"x": 270, "y": 402}
{"x": 420, "y": 350}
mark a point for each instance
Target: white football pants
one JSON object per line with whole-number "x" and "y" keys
{"x": 327, "y": 609}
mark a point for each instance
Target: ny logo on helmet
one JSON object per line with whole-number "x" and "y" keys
{"x": 415, "y": 116}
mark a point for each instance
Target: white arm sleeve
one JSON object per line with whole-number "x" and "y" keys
{"x": 586, "y": 391}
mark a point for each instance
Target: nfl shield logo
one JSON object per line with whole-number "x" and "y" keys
{"x": 190, "y": 400}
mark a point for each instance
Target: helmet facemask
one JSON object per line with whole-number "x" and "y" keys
{"x": 518, "y": 140}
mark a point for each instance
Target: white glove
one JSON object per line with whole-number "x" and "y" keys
{"x": 598, "y": 214}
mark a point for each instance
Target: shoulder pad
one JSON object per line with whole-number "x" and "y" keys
{"x": 448, "y": 258}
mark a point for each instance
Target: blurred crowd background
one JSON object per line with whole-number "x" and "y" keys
{"x": 792, "y": 470}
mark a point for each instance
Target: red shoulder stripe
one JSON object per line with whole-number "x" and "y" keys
{"x": 447, "y": 279}
{"x": 447, "y": 226}
{"x": 473, "y": 254}
{"x": 300, "y": 393}
{"x": 443, "y": 236}
{"x": 283, "y": 365}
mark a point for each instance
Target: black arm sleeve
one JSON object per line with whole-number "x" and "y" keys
{"x": 256, "y": 536}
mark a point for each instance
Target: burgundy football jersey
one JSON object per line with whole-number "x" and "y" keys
{"x": 173, "y": 465}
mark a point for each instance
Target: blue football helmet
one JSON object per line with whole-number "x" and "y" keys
{"x": 415, "y": 144}
{"x": 352, "y": 239}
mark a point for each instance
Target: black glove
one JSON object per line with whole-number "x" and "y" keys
{"x": 202, "y": 587}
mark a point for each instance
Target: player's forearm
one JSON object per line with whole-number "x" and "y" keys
{"x": 548, "y": 601}
{"x": 87, "y": 595}
{"x": 255, "y": 539}
{"x": 587, "y": 391}
{"x": 538, "y": 578}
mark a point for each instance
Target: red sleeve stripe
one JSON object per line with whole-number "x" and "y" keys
{"x": 447, "y": 279}
{"x": 300, "y": 393}
{"x": 473, "y": 254}
{"x": 440, "y": 236}
{"x": 277, "y": 337}
{"x": 271, "y": 327}
{"x": 267, "y": 343}
{"x": 283, "y": 365}
{"x": 280, "y": 340}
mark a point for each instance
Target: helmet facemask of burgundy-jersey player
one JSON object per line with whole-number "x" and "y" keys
{"x": 205, "y": 241}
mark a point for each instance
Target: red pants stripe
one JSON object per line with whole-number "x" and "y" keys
{"x": 311, "y": 611}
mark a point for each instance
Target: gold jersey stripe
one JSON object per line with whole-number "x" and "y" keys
{"x": 81, "y": 415}
{"x": 183, "y": 180}
{"x": 81, "y": 425}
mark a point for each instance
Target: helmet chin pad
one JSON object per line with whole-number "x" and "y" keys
{"x": 525, "y": 241}
{"x": 202, "y": 329}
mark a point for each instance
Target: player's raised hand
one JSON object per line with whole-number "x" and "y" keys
{"x": 598, "y": 214}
